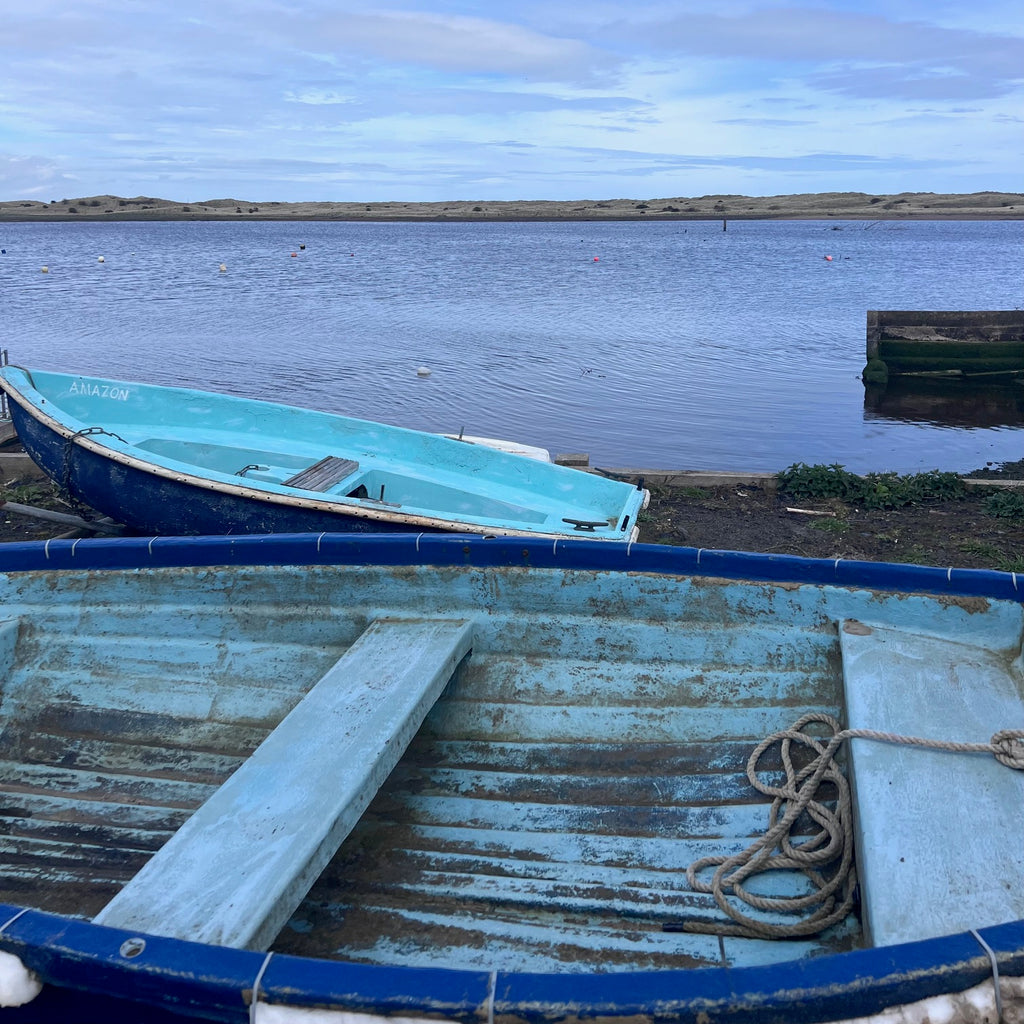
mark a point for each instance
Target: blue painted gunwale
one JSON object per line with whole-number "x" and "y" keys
{"x": 156, "y": 493}
{"x": 216, "y": 982}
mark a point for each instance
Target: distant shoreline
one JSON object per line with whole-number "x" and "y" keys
{"x": 812, "y": 206}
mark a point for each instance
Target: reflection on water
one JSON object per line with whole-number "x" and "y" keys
{"x": 946, "y": 402}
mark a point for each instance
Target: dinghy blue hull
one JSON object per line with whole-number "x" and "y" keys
{"x": 89, "y": 980}
{"x": 618, "y": 602}
{"x": 181, "y": 461}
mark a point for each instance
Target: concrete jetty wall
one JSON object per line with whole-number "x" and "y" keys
{"x": 952, "y": 343}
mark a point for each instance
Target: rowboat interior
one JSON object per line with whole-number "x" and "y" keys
{"x": 411, "y": 487}
{"x": 489, "y": 767}
{"x": 112, "y": 443}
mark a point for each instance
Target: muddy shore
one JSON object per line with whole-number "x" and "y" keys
{"x": 841, "y": 205}
{"x": 958, "y": 533}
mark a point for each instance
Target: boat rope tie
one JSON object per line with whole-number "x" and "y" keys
{"x": 69, "y": 448}
{"x": 492, "y": 988}
{"x": 825, "y": 857}
{"x": 256, "y": 987}
{"x": 994, "y": 964}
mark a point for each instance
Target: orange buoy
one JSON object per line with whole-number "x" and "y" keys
{"x": 829, "y": 258}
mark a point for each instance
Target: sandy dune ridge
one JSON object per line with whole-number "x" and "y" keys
{"x": 842, "y": 205}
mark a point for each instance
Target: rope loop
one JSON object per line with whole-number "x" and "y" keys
{"x": 824, "y": 857}
{"x": 1008, "y": 747}
{"x": 823, "y": 854}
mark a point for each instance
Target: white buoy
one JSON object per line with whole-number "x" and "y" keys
{"x": 100, "y": 260}
{"x": 223, "y": 267}
{"x": 18, "y": 985}
{"x": 46, "y": 270}
{"x": 423, "y": 371}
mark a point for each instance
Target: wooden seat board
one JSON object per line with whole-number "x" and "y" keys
{"x": 235, "y": 871}
{"x": 938, "y": 847}
{"x": 323, "y": 474}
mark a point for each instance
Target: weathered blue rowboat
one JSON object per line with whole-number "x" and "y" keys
{"x": 180, "y": 461}
{"x": 462, "y": 779}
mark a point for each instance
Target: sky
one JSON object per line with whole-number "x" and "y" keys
{"x": 434, "y": 100}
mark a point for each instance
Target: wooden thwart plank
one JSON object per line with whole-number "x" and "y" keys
{"x": 323, "y": 474}
{"x": 236, "y": 870}
{"x": 937, "y": 849}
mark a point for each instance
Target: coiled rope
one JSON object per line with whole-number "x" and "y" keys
{"x": 825, "y": 857}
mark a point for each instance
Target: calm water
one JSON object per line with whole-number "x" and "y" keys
{"x": 672, "y": 345}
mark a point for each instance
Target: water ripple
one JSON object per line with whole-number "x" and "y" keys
{"x": 673, "y": 345}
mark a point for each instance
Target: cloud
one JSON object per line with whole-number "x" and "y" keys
{"x": 470, "y": 164}
{"x": 645, "y": 162}
{"x": 763, "y": 122}
{"x": 31, "y": 176}
{"x": 464, "y": 45}
{"x": 466, "y": 104}
{"x": 857, "y": 54}
{"x": 281, "y": 99}
{"x": 318, "y": 97}
{"x": 905, "y": 82}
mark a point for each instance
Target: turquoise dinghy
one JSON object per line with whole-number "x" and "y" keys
{"x": 177, "y": 461}
{"x": 463, "y": 779}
